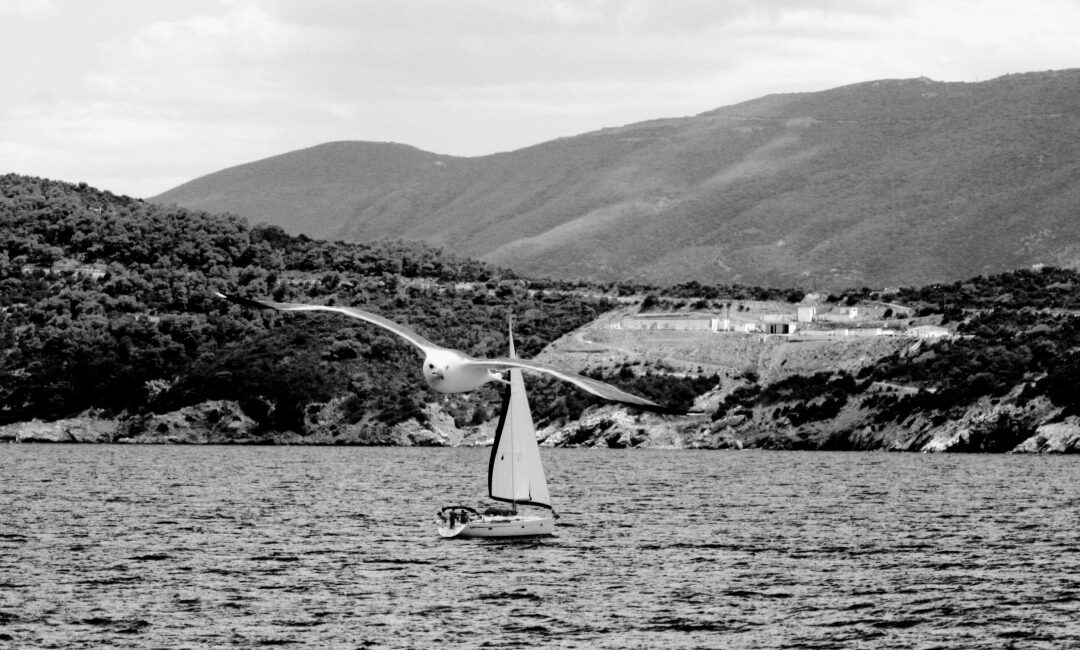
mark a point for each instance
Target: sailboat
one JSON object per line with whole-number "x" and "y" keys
{"x": 515, "y": 476}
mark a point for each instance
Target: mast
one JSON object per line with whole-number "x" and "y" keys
{"x": 515, "y": 472}
{"x": 511, "y": 439}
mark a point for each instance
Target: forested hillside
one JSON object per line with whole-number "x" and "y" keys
{"x": 107, "y": 304}
{"x": 107, "y": 307}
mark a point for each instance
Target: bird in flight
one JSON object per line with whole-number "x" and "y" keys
{"x": 452, "y": 371}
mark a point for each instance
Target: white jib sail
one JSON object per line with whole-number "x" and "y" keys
{"x": 515, "y": 473}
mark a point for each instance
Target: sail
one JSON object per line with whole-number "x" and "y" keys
{"x": 515, "y": 473}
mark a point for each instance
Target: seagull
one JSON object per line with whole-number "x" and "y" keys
{"x": 451, "y": 371}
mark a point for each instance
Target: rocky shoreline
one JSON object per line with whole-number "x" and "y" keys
{"x": 1007, "y": 425}
{"x": 1002, "y": 427}
{"x": 224, "y": 423}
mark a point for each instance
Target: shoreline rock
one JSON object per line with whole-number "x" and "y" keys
{"x": 1056, "y": 438}
{"x": 985, "y": 427}
{"x": 81, "y": 429}
{"x": 218, "y": 422}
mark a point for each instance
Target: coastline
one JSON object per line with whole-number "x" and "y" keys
{"x": 986, "y": 428}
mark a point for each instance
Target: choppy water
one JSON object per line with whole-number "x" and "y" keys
{"x": 190, "y": 547}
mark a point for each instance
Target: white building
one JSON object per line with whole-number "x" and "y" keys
{"x": 682, "y": 322}
{"x": 927, "y": 332}
{"x": 839, "y": 315}
{"x": 786, "y": 327}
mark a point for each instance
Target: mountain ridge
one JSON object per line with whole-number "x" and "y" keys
{"x": 879, "y": 183}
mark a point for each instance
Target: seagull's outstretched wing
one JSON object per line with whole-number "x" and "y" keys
{"x": 402, "y": 331}
{"x": 598, "y": 388}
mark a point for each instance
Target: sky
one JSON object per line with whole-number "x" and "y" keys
{"x": 139, "y": 96}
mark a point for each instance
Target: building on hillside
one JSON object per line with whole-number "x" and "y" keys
{"x": 805, "y": 313}
{"x": 783, "y": 327}
{"x": 895, "y": 389}
{"x": 847, "y": 333}
{"x": 682, "y": 322}
{"x": 927, "y": 332}
{"x": 838, "y": 315}
{"x": 92, "y": 271}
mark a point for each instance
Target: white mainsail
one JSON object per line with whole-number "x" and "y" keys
{"x": 515, "y": 473}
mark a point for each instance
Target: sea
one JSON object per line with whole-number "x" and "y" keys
{"x": 127, "y": 546}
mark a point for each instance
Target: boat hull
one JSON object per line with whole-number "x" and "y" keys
{"x": 519, "y": 526}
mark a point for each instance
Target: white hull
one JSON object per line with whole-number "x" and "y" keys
{"x": 489, "y": 526}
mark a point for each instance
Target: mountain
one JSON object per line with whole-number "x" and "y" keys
{"x": 893, "y": 182}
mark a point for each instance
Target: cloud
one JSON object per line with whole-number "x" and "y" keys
{"x": 27, "y": 8}
{"x": 200, "y": 58}
{"x": 204, "y": 84}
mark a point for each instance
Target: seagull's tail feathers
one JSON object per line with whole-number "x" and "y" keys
{"x": 660, "y": 409}
{"x": 596, "y": 387}
{"x": 639, "y": 403}
{"x": 652, "y": 407}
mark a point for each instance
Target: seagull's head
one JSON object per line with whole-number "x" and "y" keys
{"x": 436, "y": 366}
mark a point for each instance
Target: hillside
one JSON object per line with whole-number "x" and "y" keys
{"x": 107, "y": 306}
{"x": 885, "y": 183}
{"x": 110, "y": 332}
{"x": 994, "y": 371}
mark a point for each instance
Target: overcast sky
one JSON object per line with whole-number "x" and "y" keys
{"x": 138, "y": 96}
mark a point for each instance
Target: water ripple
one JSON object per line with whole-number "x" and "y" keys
{"x": 207, "y": 547}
